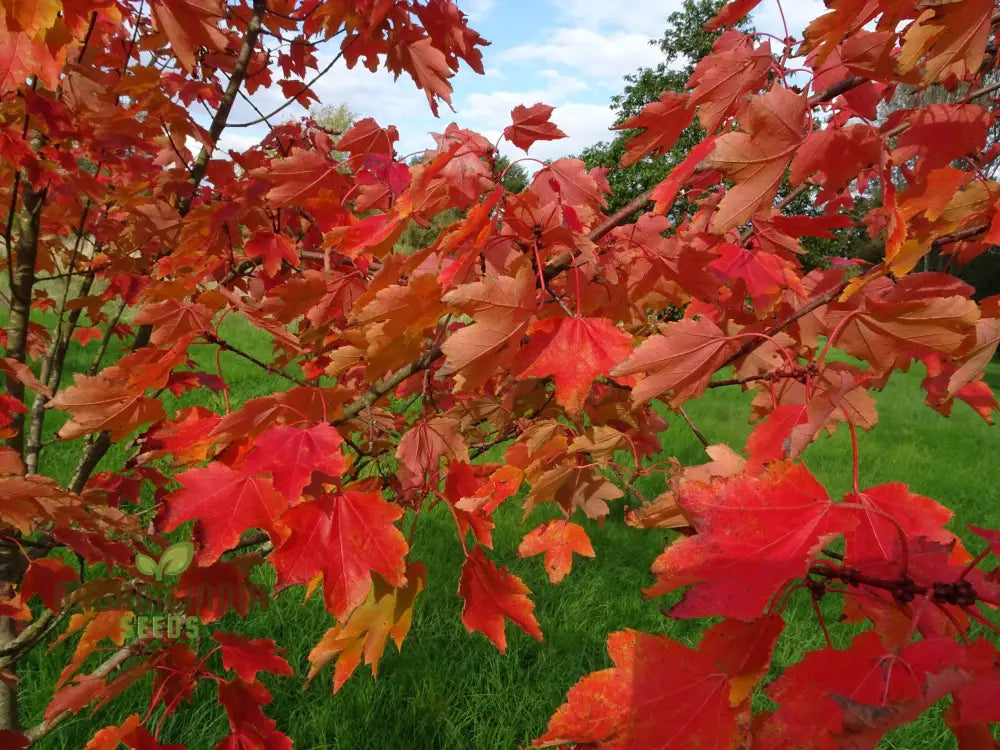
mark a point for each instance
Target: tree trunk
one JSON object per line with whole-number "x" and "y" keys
{"x": 8, "y": 695}
{"x": 12, "y": 567}
{"x": 26, "y": 250}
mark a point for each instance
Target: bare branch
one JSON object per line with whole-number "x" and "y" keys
{"x": 694, "y": 428}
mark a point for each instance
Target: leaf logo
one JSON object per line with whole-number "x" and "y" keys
{"x": 175, "y": 560}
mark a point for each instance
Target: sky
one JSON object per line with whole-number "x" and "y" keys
{"x": 571, "y": 54}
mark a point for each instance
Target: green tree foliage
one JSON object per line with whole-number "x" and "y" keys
{"x": 515, "y": 176}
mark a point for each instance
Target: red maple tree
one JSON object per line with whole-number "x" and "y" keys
{"x": 535, "y": 322}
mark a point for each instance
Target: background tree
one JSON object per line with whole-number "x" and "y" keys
{"x": 336, "y": 119}
{"x": 514, "y": 177}
{"x": 684, "y": 42}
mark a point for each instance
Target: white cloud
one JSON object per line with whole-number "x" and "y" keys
{"x": 237, "y": 140}
{"x": 650, "y": 15}
{"x": 584, "y": 50}
{"x": 560, "y": 84}
{"x": 597, "y": 56}
{"x": 574, "y": 68}
{"x": 366, "y": 94}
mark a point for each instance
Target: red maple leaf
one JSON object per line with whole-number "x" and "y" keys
{"x": 301, "y": 176}
{"x": 172, "y": 319}
{"x": 755, "y": 157}
{"x": 850, "y": 698}
{"x": 665, "y": 193}
{"x": 110, "y": 738}
{"x": 776, "y": 437}
{"x": 887, "y": 510}
{"x": 679, "y": 362}
{"x": 424, "y": 445}
{"x": 225, "y": 503}
{"x": 429, "y": 67}
{"x": 292, "y": 454}
{"x": 776, "y": 523}
{"x": 558, "y": 539}
{"x": 210, "y": 592}
{"x": 84, "y": 336}
{"x": 345, "y": 537}
{"x": 992, "y": 538}
{"x": 250, "y": 728}
{"x": 271, "y": 248}
{"x": 660, "y": 693}
{"x": 839, "y": 153}
{"x": 365, "y": 137}
{"x": 501, "y": 309}
{"x": 490, "y": 595}
{"x": 22, "y": 57}
{"x": 76, "y": 696}
{"x": 190, "y": 24}
{"x": 248, "y": 657}
{"x": 888, "y": 332}
{"x": 177, "y": 671}
{"x": 664, "y": 122}
{"x": 721, "y": 80}
{"x": 731, "y": 13}
{"x": 574, "y": 351}
{"x": 531, "y": 124}
{"x": 48, "y": 578}
{"x": 764, "y": 273}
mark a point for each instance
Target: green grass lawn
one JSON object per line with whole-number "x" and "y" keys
{"x": 450, "y": 689}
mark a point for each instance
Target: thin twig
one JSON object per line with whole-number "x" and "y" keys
{"x": 694, "y": 428}
{"x": 225, "y": 345}
{"x": 305, "y": 87}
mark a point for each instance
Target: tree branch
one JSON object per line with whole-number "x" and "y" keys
{"x": 52, "y": 366}
{"x": 621, "y": 215}
{"x": 26, "y": 640}
{"x": 226, "y": 346}
{"x": 118, "y": 658}
{"x": 51, "y": 375}
{"x": 903, "y": 589}
{"x": 225, "y": 104}
{"x": 694, "y": 428}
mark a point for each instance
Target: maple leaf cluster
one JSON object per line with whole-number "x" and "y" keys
{"x": 534, "y": 324}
